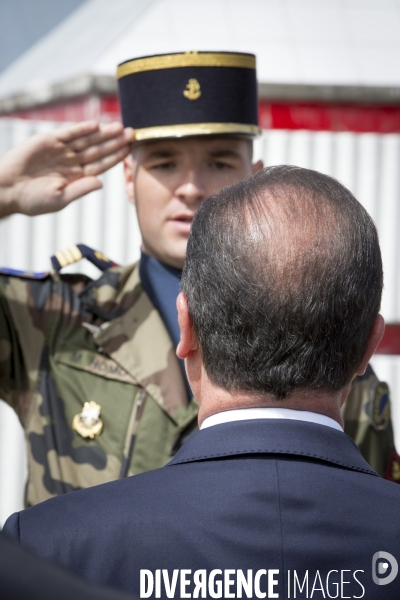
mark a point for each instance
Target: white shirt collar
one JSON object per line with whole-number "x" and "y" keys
{"x": 243, "y": 414}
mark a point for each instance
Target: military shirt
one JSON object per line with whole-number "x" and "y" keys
{"x": 66, "y": 341}
{"x": 92, "y": 373}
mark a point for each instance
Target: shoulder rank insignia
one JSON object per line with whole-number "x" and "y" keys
{"x": 192, "y": 91}
{"x": 378, "y": 406}
{"x": 75, "y": 253}
{"x": 88, "y": 423}
{"x": 392, "y": 472}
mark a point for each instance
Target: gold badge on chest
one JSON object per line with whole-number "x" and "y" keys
{"x": 88, "y": 423}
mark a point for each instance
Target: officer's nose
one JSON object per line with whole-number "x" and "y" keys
{"x": 191, "y": 189}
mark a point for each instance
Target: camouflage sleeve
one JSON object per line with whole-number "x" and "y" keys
{"x": 21, "y": 342}
{"x": 367, "y": 420}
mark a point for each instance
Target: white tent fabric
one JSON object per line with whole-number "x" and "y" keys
{"x": 322, "y": 42}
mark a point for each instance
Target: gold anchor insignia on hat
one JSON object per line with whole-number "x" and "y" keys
{"x": 88, "y": 423}
{"x": 192, "y": 91}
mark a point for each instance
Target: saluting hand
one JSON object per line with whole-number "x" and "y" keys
{"x": 49, "y": 170}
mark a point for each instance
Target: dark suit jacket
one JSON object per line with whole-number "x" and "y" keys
{"x": 24, "y": 576}
{"x": 259, "y": 494}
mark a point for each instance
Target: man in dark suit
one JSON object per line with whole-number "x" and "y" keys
{"x": 279, "y": 311}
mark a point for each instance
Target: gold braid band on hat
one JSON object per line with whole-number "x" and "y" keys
{"x": 169, "y": 131}
{"x": 187, "y": 59}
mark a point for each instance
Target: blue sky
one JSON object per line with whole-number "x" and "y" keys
{"x": 23, "y": 22}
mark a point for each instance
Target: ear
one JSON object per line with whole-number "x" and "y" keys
{"x": 374, "y": 339}
{"x": 188, "y": 342}
{"x": 255, "y": 167}
{"x": 130, "y": 179}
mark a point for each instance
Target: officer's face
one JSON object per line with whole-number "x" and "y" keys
{"x": 167, "y": 181}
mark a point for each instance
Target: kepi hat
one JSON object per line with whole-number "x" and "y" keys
{"x": 189, "y": 94}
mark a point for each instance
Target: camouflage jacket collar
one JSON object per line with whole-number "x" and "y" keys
{"x": 133, "y": 334}
{"x": 112, "y": 294}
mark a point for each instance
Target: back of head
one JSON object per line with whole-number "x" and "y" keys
{"x": 283, "y": 278}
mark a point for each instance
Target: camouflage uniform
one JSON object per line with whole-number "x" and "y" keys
{"x": 66, "y": 340}
{"x": 367, "y": 420}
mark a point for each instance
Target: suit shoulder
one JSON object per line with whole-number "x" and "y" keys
{"x": 11, "y": 526}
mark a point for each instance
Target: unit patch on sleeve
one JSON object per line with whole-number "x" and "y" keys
{"x": 393, "y": 467}
{"x": 378, "y": 406}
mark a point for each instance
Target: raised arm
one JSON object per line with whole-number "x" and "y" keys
{"x": 49, "y": 170}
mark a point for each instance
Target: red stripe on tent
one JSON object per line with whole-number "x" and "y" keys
{"x": 105, "y": 108}
{"x": 390, "y": 343}
{"x": 273, "y": 115}
{"x": 110, "y": 105}
{"x": 330, "y": 117}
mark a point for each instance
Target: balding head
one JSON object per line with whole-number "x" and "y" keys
{"x": 283, "y": 279}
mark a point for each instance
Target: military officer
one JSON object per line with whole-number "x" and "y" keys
{"x": 90, "y": 366}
